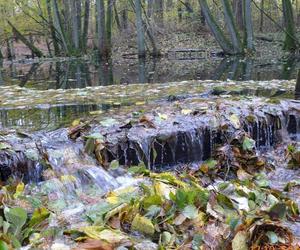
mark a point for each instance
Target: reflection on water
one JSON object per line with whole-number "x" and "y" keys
{"x": 79, "y": 73}
{"x": 71, "y": 74}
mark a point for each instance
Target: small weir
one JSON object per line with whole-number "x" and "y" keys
{"x": 181, "y": 137}
{"x": 72, "y": 169}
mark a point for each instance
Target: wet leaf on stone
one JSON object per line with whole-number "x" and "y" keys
{"x": 235, "y": 121}
{"x": 224, "y": 201}
{"x": 39, "y": 215}
{"x": 273, "y": 238}
{"x": 108, "y": 122}
{"x": 190, "y": 211}
{"x": 142, "y": 225}
{"x": 114, "y": 165}
{"x": 248, "y": 144}
{"x": 278, "y": 211}
{"x": 239, "y": 241}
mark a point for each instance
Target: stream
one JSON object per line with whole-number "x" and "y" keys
{"x": 60, "y": 121}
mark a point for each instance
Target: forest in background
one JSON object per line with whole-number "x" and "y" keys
{"x": 56, "y": 28}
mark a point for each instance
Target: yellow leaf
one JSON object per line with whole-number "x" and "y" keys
{"x": 19, "y": 189}
{"x": 186, "y": 111}
{"x": 68, "y": 178}
{"x": 235, "y": 121}
{"x": 142, "y": 225}
{"x": 140, "y": 103}
{"x": 75, "y": 122}
{"x": 163, "y": 190}
{"x": 163, "y": 116}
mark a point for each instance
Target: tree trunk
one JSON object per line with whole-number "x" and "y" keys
{"x": 24, "y": 40}
{"x": 231, "y": 26}
{"x": 10, "y": 49}
{"x": 59, "y": 27}
{"x": 101, "y": 27}
{"x": 109, "y": 15}
{"x": 297, "y": 89}
{"x": 1, "y": 57}
{"x": 249, "y": 40}
{"x": 290, "y": 43}
{"x": 116, "y": 14}
{"x": 125, "y": 18}
{"x": 215, "y": 29}
{"x": 169, "y": 5}
{"x": 159, "y": 12}
{"x": 140, "y": 29}
{"x": 202, "y": 17}
{"x": 149, "y": 8}
{"x": 52, "y": 29}
{"x": 262, "y": 8}
{"x": 79, "y": 23}
{"x": 238, "y": 12}
{"x": 75, "y": 30}
{"x": 85, "y": 31}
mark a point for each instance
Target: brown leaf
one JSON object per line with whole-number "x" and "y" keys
{"x": 94, "y": 245}
{"x": 146, "y": 121}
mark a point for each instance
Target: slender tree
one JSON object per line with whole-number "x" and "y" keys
{"x": 35, "y": 51}
{"x": 109, "y": 15}
{"x": 86, "y": 19}
{"x": 1, "y": 55}
{"x": 262, "y": 8}
{"x": 215, "y": 28}
{"x": 297, "y": 88}
{"x": 290, "y": 42}
{"x": 140, "y": 29}
{"x": 249, "y": 38}
{"x": 231, "y": 26}
{"x": 52, "y": 29}
{"x": 100, "y": 26}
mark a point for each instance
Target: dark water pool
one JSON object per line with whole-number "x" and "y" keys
{"x": 82, "y": 73}
{"x": 79, "y": 74}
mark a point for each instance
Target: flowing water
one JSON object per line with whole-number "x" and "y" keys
{"x": 39, "y": 99}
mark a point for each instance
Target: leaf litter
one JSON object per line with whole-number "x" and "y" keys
{"x": 226, "y": 201}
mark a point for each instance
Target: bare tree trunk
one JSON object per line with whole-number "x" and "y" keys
{"x": 59, "y": 27}
{"x": 297, "y": 88}
{"x": 215, "y": 29}
{"x": 75, "y": 30}
{"x": 117, "y": 17}
{"x": 79, "y": 23}
{"x": 1, "y": 57}
{"x": 238, "y": 12}
{"x": 10, "y": 48}
{"x": 169, "y": 5}
{"x": 150, "y": 8}
{"x": 290, "y": 42}
{"x": 249, "y": 40}
{"x": 159, "y": 12}
{"x": 125, "y": 17}
{"x": 101, "y": 26}
{"x": 231, "y": 26}
{"x": 52, "y": 29}
{"x": 109, "y": 14}
{"x": 202, "y": 17}
{"x": 85, "y": 31}
{"x": 262, "y": 8}
{"x": 140, "y": 29}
